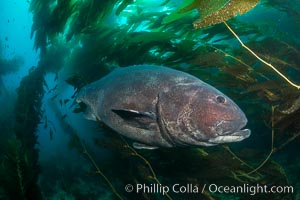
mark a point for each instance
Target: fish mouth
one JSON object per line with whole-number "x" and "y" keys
{"x": 235, "y": 135}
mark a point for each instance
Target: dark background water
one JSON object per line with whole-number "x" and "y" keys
{"x": 50, "y": 49}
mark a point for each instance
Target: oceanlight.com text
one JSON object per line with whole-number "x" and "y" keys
{"x": 250, "y": 189}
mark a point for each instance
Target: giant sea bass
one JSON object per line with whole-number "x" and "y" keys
{"x": 161, "y": 107}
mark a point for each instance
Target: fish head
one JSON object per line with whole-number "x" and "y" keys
{"x": 199, "y": 114}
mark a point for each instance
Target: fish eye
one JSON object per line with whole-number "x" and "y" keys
{"x": 221, "y": 99}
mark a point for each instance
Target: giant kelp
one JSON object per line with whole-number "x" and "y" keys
{"x": 215, "y": 12}
{"x": 19, "y": 171}
{"x": 20, "y": 168}
{"x": 103, "y": 35}
{"x": 22, "y": 151}
{"x": 21, "y": 155}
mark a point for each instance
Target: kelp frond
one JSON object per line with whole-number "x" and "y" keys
{"x": 16, "y": 172}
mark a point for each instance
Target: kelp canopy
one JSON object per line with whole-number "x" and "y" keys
{"x": 89, "y": 38}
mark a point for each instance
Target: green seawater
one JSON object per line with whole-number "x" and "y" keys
{"x": 50, "y": 151}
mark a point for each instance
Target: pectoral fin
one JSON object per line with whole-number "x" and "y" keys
{"x": 136, "y": 118}
{"x": 127, "y": 113}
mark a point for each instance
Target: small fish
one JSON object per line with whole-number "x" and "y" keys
{"x": 74, "y": 94}
{"x": 63, "y": 117}
{"x": 46, "y": 122}
{"x": 52, "y": 89}
{"x": 54, "y": 97}
{"x": 161, "y": 107}
{"x": 56, "y": 76}
{"x": 66, "y": 101}
{"x": 51, "y": 134}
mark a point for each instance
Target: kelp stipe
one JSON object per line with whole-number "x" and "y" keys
{"x": 99, "y": 171}
{"x": 21, "y": 161}
{"x": 272, "y": 144}
{"x": 18, "y": 172}
{"x": 260, "y": 59}
{"x": 77, "y": 143}
{"x": 253, "y": 170}
{"x": 148, "y": 164}
{"x": 132, "y": 152}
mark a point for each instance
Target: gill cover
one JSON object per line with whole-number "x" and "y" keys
{"x": 175, "y": 114}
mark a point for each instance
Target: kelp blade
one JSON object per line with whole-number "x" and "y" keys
{"x": 231, "y": 9}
